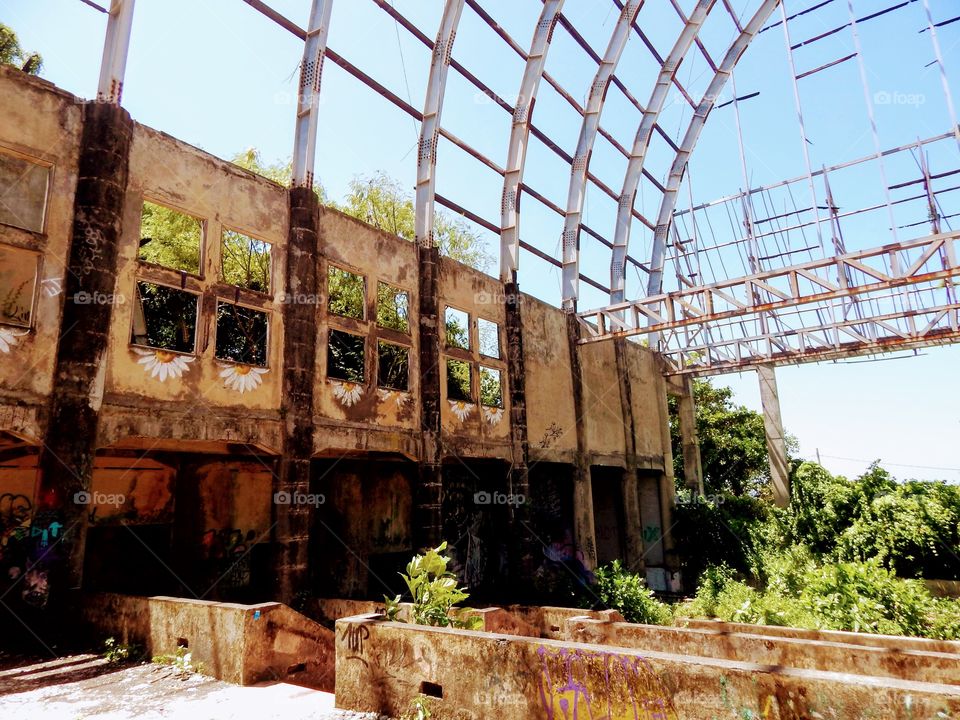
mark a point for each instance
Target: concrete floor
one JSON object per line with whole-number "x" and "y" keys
{"x": 78, "y": 687}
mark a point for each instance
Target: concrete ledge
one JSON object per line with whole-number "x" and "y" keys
{"x": 242, "y": 644}
{"x": 382, "y": 666}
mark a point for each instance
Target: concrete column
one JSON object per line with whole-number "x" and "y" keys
{"x": 428, "y": 493}
{"x": 523, "y": 561}
{"x": 584, "y": 533}
{"x": 689, "y": 441}
{"x": 66, "y": 461}
{"x": 773, "y": 425}
{"x": 668, "y": 490}
{"x": 299, "y": 368}
{"x": 630, "y": 486}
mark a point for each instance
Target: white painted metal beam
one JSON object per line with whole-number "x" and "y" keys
{"x": 308, "y": 96}
{"x": 115, "y": 50}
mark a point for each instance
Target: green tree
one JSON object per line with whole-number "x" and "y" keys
{"x": 380, "y": 201}
{"x": 733, "y": 445}
{"x": 12, "y": 54}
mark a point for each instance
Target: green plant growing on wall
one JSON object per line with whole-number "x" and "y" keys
{"x": 419, "y": 709}
{"x": 12, "y": 54}
{"x": 435, "y": 592}
{"x": 181, "y": 662}
{"x": 115, "y": 652}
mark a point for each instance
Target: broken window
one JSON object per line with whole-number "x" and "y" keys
{"x": 170, "y": 238}
{"x": 23, "y": 192}
{"x": 489, "y": 335}
{"x": 458, "y": 381}
{"x": 245, "y": 261}
{"x": 393, "y": 308}
{"x": 345, "y": 356}
{"x": 345, "y": 293}
{"x": 241, "y": 334}
{"x": 393, "y": 363}
{"x": 18, "y": 281}
{"x": 491, "y": 387}
{"x": 458, "y": 328}
{"x": 164, "y": 318}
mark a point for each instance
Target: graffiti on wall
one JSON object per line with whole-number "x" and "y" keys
{"x": 227, "y": 551}
{"x": 28, "y": 544}
{"x": 582, "y": 684}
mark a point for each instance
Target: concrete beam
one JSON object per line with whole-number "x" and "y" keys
{"x": 773, "y": 425}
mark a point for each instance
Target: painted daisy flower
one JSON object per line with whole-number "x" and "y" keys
{"x": 242, "y": 377}
{"x": 492, "y": 415}
{"x": 8, "y": 338}
{"x": 400, "y": 398}
{"x": 461, "y": 409}
{"x": 163, "y": 364}
{"x": 348, "y": 393}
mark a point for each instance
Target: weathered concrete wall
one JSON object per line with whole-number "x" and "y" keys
{"x": 382, "y": 667}
{"x": 242, "y": 644}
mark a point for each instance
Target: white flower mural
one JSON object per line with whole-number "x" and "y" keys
{"x": 163, "y": 364}
{"x": 492, "y": 415}
{"x": 400, "y": 398}
{"x": 8, "y": 338}
{"x": 242, "y": 378}
{"x": 348, "y": 393}
{"x": 461, "y": 409}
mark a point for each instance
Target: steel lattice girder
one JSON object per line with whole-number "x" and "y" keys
{"x": 311, "y": 72}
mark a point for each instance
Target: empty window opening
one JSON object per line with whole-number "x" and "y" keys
{"x": 245, "y": 261}
{"x": 345, "y": 293}
{"x": 459, "y": 381}
{"x": 491, "y": 387}
{"x": 489, "y": 336}
{"x": 241, "y": 334}
{"x": 431, "y": 689}
{"x": 345, "y": 356}
{"x": 23, "y": 192}
{"x": 393, "y": 366}
{"x": 170, "y": 238}
{"x": 458, "y": 328}
{"x": 393, "y": 308}
{"x": 164, "y": 318}
{"x": 18, "y": 281}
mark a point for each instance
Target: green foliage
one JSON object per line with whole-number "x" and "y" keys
{"x": 115, "y": 652}
{"x": 12, "y": 54}
{"x": 245, "y": 261}
{"x": 435, "y": 592}
{"x": 419, "y": 709}
{"x": 346, "y": 293}
{"x": 733, "y": 446}
{"x": 393, "y": 308}
{"x": 278, "y": 172}
{"x": 626, "y": 592}
{"x": 381, "y": 202}
{"x": 458, "y": 381}
{"x": 491, "y": 387}
{"x": 181, "y": 661}
{"x": 170, "y": 238}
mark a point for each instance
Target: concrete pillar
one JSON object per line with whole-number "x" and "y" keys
{"x": 523, "y": 561}
{"x": 689, "y": 441}
{"x": 66, "y": 461}
{"x": 428, "y": 493}
{"x": 630, "y": 486}
{"x": 776, "y": 444}
{"x": 299, "y": 368}
{"x": 668, "y": 489}
{"x": 584, "y": 533}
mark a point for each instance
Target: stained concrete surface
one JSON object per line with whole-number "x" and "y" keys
{"x": 79, "y": 687}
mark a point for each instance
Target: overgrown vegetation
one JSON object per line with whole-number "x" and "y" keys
{"x": 845, "y": 555}
{"x": 181, "y": 661}
{"x": 419, "y": 709}
{"x": 618, "y": 589}
{"x": 435, "y": 592}
{"x": 116, "y": 652}
{"x": 11, "y": 53}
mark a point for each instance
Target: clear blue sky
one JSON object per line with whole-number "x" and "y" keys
{"x": 221, "y": 76}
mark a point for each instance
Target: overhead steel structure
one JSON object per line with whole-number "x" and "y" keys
{"x": 780, "y": 286}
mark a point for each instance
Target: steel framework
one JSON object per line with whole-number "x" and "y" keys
{"x": 778, "y": 296}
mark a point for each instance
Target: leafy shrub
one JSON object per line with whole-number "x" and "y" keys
{"x": 434, "y": 591}
{"x": 115, "y": 652}
{"x": 626, "y": 592}
{"x": 181, "y": 661}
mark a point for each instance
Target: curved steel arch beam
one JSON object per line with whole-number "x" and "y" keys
{"x": 311, "y": 69}
{"x": 581, "y": 159}
{"x": 430, "y": 127}
{"x": 519, "y": 135}
{"x": 638, "y": 155}
{"x": 692, "y": 135}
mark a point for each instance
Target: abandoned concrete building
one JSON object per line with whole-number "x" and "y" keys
{"x": 162, "y": 419}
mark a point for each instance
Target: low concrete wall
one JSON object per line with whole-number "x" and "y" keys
{"x": 242, "y": 644}
{"x": 383, "y": 666}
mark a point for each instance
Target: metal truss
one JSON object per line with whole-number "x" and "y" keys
{"x": 797, "y": 301}
{"x": 690, "y": 323}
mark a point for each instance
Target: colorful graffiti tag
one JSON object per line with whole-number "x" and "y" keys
{"x": 581, "y": 685}
{"x": 28, "y": 545}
